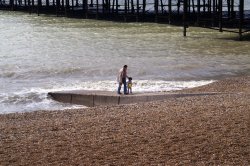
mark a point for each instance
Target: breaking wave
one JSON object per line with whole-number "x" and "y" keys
{"x": 32, "y": 99}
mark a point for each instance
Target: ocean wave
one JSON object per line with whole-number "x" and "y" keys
{"x": 138, "y": 85}
{"x": 31, "y": 99}
{"x": 7, "y": 74}
{"x": 41, "y": 71}
{"x": 28, "y": 100}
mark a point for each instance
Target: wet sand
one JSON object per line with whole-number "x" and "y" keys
{"x": 197, "y": 130}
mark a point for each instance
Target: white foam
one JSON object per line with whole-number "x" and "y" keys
{"x": 28, "y": 100}
{"x": 138, "y": 85}
{"x": 31, "y": 99}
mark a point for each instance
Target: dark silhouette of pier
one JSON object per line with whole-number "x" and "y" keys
{"x": 221, "y": 15}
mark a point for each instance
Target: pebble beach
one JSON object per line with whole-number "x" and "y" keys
{"x": 204, "y": 129}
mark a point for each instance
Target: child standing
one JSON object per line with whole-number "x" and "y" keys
{"x": 129, "y": 85}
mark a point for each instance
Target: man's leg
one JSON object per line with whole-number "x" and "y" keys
{"x": 125, "y": 87}
{"x": 119, "y": 88}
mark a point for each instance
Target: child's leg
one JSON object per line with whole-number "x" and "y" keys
{"x": 129, "y": 90}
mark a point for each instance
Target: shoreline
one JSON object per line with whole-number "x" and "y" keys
{"x": 201, "y": 130}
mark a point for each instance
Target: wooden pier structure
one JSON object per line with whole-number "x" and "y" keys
{"x": 221, "y": 15}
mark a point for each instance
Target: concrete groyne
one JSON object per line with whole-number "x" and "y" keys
{"x": 100, "y": 98}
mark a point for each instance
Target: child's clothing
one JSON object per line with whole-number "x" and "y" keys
{"x": 129, "y": 85}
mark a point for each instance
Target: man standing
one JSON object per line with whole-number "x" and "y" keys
{"x": 122, "y": 79}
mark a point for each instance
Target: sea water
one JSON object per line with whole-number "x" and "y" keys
{"x": 41, "y": 54}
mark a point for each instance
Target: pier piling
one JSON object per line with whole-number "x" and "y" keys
{"x": 241, "y": 18}
{"x": 222, "y": 15}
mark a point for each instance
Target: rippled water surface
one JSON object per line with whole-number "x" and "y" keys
{"x": 39, "y": 54}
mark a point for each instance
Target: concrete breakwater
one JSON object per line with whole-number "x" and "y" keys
{"x": 99, "y": 98}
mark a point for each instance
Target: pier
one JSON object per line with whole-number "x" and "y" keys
{"x": 221, "y": 15}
